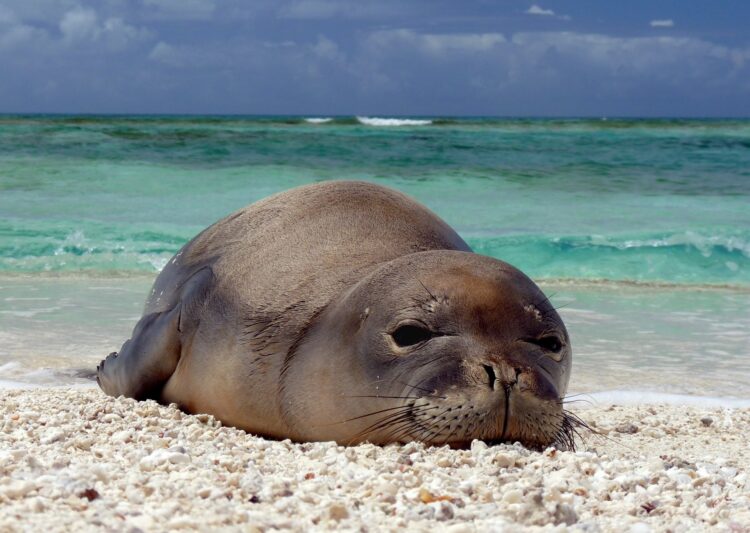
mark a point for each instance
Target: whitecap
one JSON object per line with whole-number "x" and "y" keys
{"x": 14, "y": 375}
{"x": 705, "y": 244}
{"x": 158, "y": 263}
{"x": 375, "y": 121}
{"x": 11, "y": 366}
{"x": 318, "y": 120}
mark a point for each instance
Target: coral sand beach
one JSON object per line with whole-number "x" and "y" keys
{"x": 76, "y": 459}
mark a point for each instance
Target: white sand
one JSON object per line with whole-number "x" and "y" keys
{"x": 76, "y": 460}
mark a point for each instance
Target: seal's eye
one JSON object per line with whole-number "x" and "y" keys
{"x": 409, "y": 335}
{"x": 550, "y": 343}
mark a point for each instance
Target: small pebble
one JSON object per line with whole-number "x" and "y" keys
{"x": 337, "y": 511}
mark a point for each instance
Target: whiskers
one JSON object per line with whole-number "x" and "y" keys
{"x": 421, "y": 414}
{"x": 409, "y": 389}
{"x": 571, "y": 425}
{"x": 396, "y": 425}
{"x": 570, "y": 429}
{"x": 577, "y": 398}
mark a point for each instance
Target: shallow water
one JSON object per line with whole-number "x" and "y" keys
{"x": 625, "y": 339}
{"x": 640, "y": 228}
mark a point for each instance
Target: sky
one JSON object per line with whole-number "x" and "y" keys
{"x": 378, "y": 58}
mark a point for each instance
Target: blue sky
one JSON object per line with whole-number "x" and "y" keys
{"x": 386, "y": 57}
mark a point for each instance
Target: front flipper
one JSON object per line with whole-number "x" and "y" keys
{"x": 146, "y": 361}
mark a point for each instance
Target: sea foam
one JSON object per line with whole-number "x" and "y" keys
{"x": 376, "y": 121}
{"x": 317, "y": 120}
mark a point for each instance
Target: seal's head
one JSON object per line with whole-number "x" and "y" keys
{"x": 442, "y": 347}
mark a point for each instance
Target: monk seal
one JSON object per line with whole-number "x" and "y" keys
{"x": 347, "y": 311}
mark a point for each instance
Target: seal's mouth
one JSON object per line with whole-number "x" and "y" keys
{"x": 457, "y": 419}
{"x": 506, "y": 410}
{"x": 466, "y": 444}
{"x": 494, "y": 401}
{"x": 503, "y": 413}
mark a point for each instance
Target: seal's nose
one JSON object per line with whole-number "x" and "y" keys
{"x": 492, "y": 377}
{"x": 501, "y": 375}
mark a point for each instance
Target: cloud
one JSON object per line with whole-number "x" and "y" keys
{"x": 119, "y": 35}
{"x": 249, "y": 55}
{"x": 685, "y": 55}
{"x": 620, "y": 64}
{"x": 6, "y": 16}
{"x": 168, "y": 55}
{"x": 550, "y": 72}
{"x": 326, "y": 9}
{"x": 81, "y": 25}
{"x": 20, "y": 35}
{"x": 16, "y": 34}
{"x": 181, "y": 9}
{"x": 463, "y": 42}
{"x": 252, "y": 75}
{"x": 327, "y": 49}
{"x": 436, "y": 43}
{"x": 662, "y": 23}
{"x": 537, "y": 10}
{"x": 46, "y": 11}
{"x": 345, "y": 65}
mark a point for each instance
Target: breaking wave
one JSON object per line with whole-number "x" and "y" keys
{"x": 680, "y": 257}
{"x": 376, "y": 121}
{"x": 713, "y": 257}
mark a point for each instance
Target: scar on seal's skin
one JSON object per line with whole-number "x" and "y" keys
{"x": 531, "y": 308}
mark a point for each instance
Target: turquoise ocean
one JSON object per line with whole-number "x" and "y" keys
{"x": 639, "y": 230}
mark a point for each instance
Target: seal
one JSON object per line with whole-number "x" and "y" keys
{"x": 347, "y": 311}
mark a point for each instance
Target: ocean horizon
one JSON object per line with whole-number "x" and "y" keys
{"x": 638, "y": 228}
{"x": 306, "y": 116}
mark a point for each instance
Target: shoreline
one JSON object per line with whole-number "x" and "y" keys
{"x": 690, "y": 342}
{"x": 73, "y": 458}
{"x": 584, "y": 400}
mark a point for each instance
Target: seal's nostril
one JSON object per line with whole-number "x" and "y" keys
{"x": 491, "y": 377}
